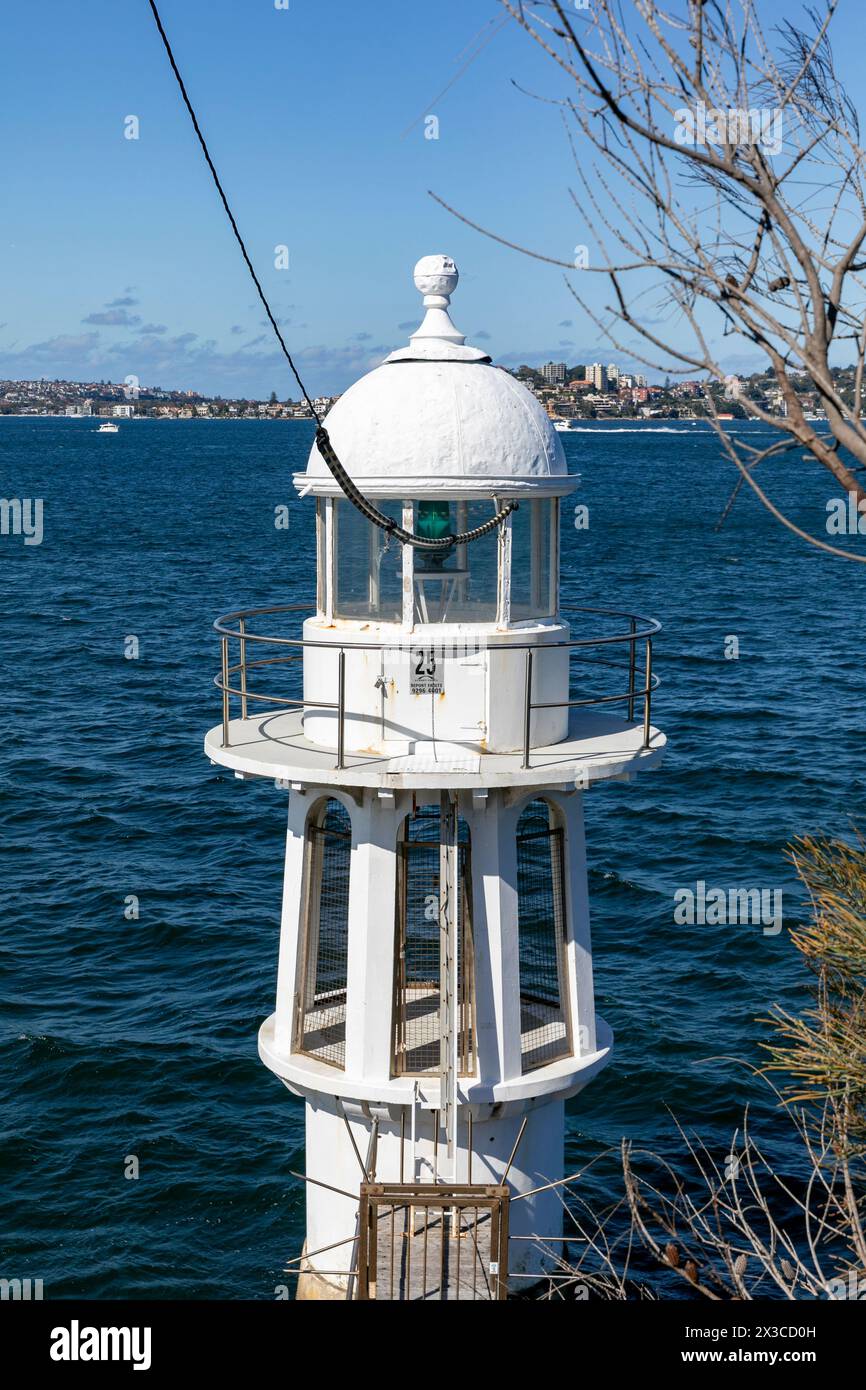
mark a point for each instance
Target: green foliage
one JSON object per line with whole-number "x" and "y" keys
{"x": 823, "y": 1050}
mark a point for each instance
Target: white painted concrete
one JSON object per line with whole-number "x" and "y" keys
{"x": 499, "y": 1093}
{"x": 331, "y": 1217}
{"x": 559, "y": 1080}
{"x": 598, "y": 747}
{"x": 482, "y": 676}
{"x": 436, "y": 420}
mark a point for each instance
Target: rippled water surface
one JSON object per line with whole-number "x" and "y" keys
{"x": 138, "y": 1037}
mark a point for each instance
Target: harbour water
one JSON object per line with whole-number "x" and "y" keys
{"x": 134, "y": 1036}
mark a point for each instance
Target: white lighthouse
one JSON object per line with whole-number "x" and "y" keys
{"x": 434, "y": 1004}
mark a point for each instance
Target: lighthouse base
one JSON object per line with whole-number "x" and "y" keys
{"x": 519, "y": 1151}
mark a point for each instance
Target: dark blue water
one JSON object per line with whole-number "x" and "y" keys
{"x": 138, "y": 1037}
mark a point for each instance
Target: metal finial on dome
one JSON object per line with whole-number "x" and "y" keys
{"x": 436, "y": 275}
{"x": 436, "y": 279}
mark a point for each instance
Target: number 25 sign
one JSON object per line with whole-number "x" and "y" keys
{"x": 427, "y": 676}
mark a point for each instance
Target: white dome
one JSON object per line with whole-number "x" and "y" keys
{"x": 438, "y": 417}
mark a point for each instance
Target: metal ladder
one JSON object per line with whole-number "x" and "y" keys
{"x": 449, "y": 910}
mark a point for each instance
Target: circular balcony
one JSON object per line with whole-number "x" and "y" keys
{"x": 602, "y": 698}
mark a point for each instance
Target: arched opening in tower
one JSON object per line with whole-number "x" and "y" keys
{"x": 320, "y": 1023}
{"x": 418, "y": 964}
{"x": 542, "y": 933}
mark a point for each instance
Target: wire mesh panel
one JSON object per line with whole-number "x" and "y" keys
{"x": 321, "y": 1015}
{"x": 465, "y": 958}
{"x": 544, "y": 1020}
{"x": 417, "y": 954}
{"x": 424, "y": 1242}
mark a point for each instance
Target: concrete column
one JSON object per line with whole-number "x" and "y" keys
{"x": 578, "y": 941}
{"x": 494, "y": 895}
{"x": 291, "y": 920}
{"x": 372, "y": 893}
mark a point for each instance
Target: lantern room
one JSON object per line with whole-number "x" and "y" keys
{"x": 442, "y": 443}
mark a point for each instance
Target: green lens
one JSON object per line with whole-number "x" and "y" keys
{"x": 433, "y": 520}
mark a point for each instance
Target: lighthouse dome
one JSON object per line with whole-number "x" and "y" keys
{"x": 439, "y": 418}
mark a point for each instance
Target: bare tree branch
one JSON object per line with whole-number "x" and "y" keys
{"x": 728, "y": 173}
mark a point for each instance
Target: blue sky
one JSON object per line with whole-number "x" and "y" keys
{"x": 116, "y": 257}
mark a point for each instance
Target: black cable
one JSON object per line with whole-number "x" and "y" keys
{"x": 323, "y": 441}
{"x": 225, "y": 203}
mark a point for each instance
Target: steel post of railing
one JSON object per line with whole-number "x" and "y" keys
{"x": 243, "y": 645}
{"x": 527, "y": 705}
{"x": 631, "y": 669}
{"x": 224, "y": 641}
{"x": 341, "y": 708}
{"x": 647, "y": 695}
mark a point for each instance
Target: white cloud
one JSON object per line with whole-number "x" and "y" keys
{"x": 113, "y": 318}
{"x": 187, "y": 362}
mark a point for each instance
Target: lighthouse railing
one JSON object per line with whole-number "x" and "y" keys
{"x": 642, "y": 680}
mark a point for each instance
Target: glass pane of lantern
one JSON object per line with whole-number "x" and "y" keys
{"x": 532, "y": 537}
{"x": 369, "y": 567}
{"x": 457, "y": 585}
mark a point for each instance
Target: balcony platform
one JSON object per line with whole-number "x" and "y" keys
{"x": 558, "y": 1080}
{"x": 599, "y": 747}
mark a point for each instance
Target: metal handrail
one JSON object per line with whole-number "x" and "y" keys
{"x": 648, "y": 628}
{"x": 652, "y": 627}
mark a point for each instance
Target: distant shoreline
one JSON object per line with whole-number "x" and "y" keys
{"x": 185, "y": 419}
{"x": 306, "y": 420}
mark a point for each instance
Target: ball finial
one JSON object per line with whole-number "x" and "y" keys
{"x": 436, "y": 275}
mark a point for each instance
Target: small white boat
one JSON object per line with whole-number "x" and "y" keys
{"x": 562, "y": 426}
{"x": 107, "y": 427}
